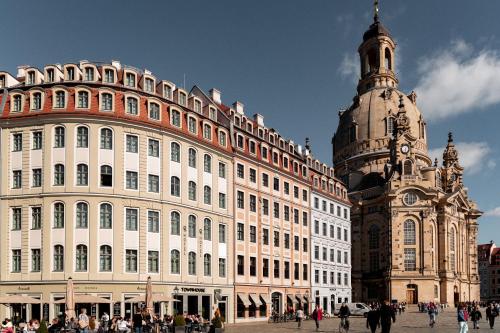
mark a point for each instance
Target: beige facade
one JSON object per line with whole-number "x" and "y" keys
{"x": 144, "y": 190}
{"x": 414, "y": 228}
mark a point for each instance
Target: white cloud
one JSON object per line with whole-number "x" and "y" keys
{"x": 495, "y": 212}
{"x": 350, "y": 67}
{"x": 458, "y": 80}
{"x": 473, "y": 156}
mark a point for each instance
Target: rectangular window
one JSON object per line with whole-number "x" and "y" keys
{"x": 154, "y": 183}
{"x": 192, "y": 126}
{"x": 296, "y": 192}
{"x": 253, "y": 266}
{"x": 37, "y": 140}
{"x": 153, "y": 221}
{"x": 240, "y": 231}
{"x": 131, "y": 261}
{"x": 276, "y": 239}
{"x": 16, "y": 261}
{"x": 276, "y": 184}
{"x": 36, "y": 218}
{"x": 37, "y": 177}
{"x": 89, "y": 74}
{"x": 265, "y": 236}
{"x": 296, "y": 245}
{"x": 305, "y": 247}
{"x": 276, "y": 269}
{"x": 16, "y": 218}
{"x": 296, "y": 272}
{"x": 240, "y": 263}
{"x": 36, "y": 260}
{"x": 130, "y": 80}
{"x": 265, "y": 207}
{"x": 332, "y": 255}
{"x": 240, "y": 171}
{"x": 222, "y": 170}
{"x": 131, "y": 181}
{"x": 222, "y": 267}
{"x": 286, "y": 188}
{"x": 304, "y": 195}
{"x": 253, "y": 175}
{"x": 16, "y": 179}
{"x": 17, "y": 142}
{"x": 253, "y": 203}
{"x": 264, "y": 153}
{"x": 265, "y": 267}
{"x": 222, "y": 233}
{"x": 287, "y": 241}
{"x": 304, "y": 272}
{"x": 325, "y": 277}
{"x": 316, "y": 227}
{"x": 153, "y": 148}
{"x": 316, "y": 252}
{"x": 153, "y": 261}
{"x": 296, "y": 216}
{"x": 286, "y": 213}
{"x": 131, "y": 219}
{"x": 346, "y": 279}
{"x": 240, "y": 200}
{"x": 276, "y": 210}
{"x": 339, "y": 279}
{"x": 346, "y": 258}
{"x": 339, "y": 235}
{"x": 304, "y": 219}
{"x": 324, "y": 229}
{"x": 222, "y": 200}
{"x": 287, "y": 270}
{"x": 132, "y": 144}
{"x": 345, "y": 235}
{"x": 253, "y": 234}
{"x": 325, "y": 254}
{"x": 265, "y": 180}
{"x": 410, "y": 260}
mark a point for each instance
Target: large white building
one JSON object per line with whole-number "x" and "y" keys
{"x": 330, "y": 240}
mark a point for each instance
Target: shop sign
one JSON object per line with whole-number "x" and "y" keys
{"x": 116, "y": 309}
{"x": 192, "y": 290}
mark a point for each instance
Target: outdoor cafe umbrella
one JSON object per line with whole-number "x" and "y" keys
{"x": 18, "y": 299}
{"x": 70, "y": 299}
{"x": 149, "y": 297}
{"x": 85, "y": 298}
{"x": 159, "y": 298}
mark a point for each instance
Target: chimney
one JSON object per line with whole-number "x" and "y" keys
{"x": 21, "y": 70}
{"x": 259, "y": 119}
{"x": 215, "y": 95}
{"x": 116, "y": 64}
{"x": 239, "y": 107}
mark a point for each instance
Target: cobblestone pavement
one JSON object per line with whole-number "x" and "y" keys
{"x": 410, "y": 321}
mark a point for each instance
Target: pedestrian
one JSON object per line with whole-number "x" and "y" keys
{"x": 491, "y": 313}
{"x": 431, "y": 310}
{"x": 317, "y": 315}
{"x": 300, "y": 316}
{"x": 387, "y": 316}
{"x": 83, "y": 321}
{"x": 373, "y": 319}
{"x": 137, "y": 321}
{"x": 462, "y": 317}
{"x": 475, "y": 317}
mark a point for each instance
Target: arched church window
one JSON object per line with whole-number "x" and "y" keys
{"x": 352, "y": 133}
{"x": 439, "y": 183}
{"x": 390, "y": 125}
{"x": 388, "y": 59}
{"x": 374, "y": 237}
{"x": 452, "y": 249}
{"x": 407, "y": 168}
{"x": 409, "y": 232}
{"x": 371, "y": 59}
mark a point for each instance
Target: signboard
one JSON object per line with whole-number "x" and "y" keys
{"x": 45, "y": 312}
{"x": 93, "y": 310}
{"x": 117, "y": 309}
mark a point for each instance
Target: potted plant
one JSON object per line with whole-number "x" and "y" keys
{"x": 218, "y": 323}
{"x": 179, "y": 324}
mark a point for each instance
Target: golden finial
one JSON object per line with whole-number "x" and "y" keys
{"x": 375, "y": 15}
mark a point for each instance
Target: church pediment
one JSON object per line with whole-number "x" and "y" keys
{"x": 458, "y": 198}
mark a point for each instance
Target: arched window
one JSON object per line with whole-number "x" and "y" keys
{"x": 175, "y": 223}
{"x": 390, "y": 125}
{"x": 36, "y": 101}
{"x": 452, "y": 249}
{"x": 176, "y": 118}
{"x": 388, "y": 59}
{"x": 59, "y": 137}
{"x": 207, "y": 163}
{"x": 105, "y": 260}
{"x": 192, "y": 158}
{"x": 58, "y": 258}
{"x": 17, "y": 103}
{"x": 82, "y": 215}
{"x": 192, "y": 263}
{"x": 207, "y": 229}
{"x": 106, "y": 216}
{"x": 83, "y": 100}
{"x": 407, "y": 168}
{"x": 374, "y": 237}
{"x": 59, "y": 175}
{"x": 82, "y": 174}
{"x": 60, "y": 99}
{"x": 58, "y": 215}
{"x": 175, "y": 152}
{"x": 132, "y": 106}
{"x": 82, "y": 137}
{"x": 81, "y": 256}
{"x": 207, "y": 131}
{"x": 409, "y": 232}
{"x": 175, "y": 186}
{"x": 207, "y": 264}
{"x": 207, "y": 195}
{"x": 174, "y": 262}
{"x": 192, "y": 190}
{"x": 192, "y": 226}
{"x": 106, "y": 138}
{"x": 106, "y": 176}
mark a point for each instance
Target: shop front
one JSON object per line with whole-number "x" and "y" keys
{"x": 330, "y": 299}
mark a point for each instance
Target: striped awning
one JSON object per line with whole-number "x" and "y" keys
{"x": 292, "y": 298}
{"x": 266, "y": 298}
{"x": 244, "y": 299}
{"x": 299, "y": 297}
{"x": 255, "y": 299}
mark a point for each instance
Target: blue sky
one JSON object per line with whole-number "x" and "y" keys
{"x": 293, "y": 61}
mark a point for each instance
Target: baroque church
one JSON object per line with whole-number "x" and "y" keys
{"x": 414, "y": 227}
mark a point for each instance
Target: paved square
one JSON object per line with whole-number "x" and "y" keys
{"x": 410, "y": 321}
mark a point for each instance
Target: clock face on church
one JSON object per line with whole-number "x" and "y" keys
{"x": 405, "y": 149}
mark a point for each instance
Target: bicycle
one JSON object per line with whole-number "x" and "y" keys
{"x": 344, "y": 325}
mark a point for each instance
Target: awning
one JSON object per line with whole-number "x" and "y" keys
{"x": 304, "y": 299}
{"x": 86, "y": 299}
{"x": 292, "y": 298}
{"x": 299, "y": 297}
{"x": 266, "y": 298}
{"x": 157, "y": 298}
{"x": 256, "y": 299}
{"x": 244, "y": 299}
{"x": 308, "y": 298}
{"x": 19, "y": 299}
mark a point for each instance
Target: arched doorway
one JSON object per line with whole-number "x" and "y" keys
{"x": 276, "y": 301}
{"x": 412, "y": 294}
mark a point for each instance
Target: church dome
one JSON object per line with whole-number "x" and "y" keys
{"x": 376, "y": 30}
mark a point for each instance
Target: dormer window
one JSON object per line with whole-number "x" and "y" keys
{"x": 212, "y": 113}
{"x": 109, "y": 75}
{"x": 132, "y": 106}
{"x": 260, "y": 133}
{"x": 89, "y": 74}
{"x": 285, "y": 162}
{"x": 167, "y": 91}
{"x": 239, "y": 141}
{"x": 130, "y": 80}
{"x": 2, "y": 81}
{"x": 275, "y": 157}
{"x": 50, "y": 75}
{"x": 182, "y": 99}
{"x": 197, "y": 106}
{"x": 237, "y": 121}
{"x": 176, "y": 118}
{"x": 17, "y": 103}
{"x": 264, "y": 153}
{"x": 222, "y": 138}
{"x": 271, "y": 139}
{"x": 106, "y": 102}
{"x": 249, "y": 128}
{"x": 31, "y": 77}
{"x": 60, "y": 99}
{"x": 36, "y": 101}
{"x": 252, "y": 147}
{"x": 70, "y": 73}
{"x": 207, "y": 132}
{"x": 149, "y": 85}
{"x": 83, "y": 99}
{"x": 154, "y": 111}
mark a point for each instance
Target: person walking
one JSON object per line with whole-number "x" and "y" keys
{"x": 300, "y": 316}
{"x": 137, "y": 321}
{"x": 387, "y": 316}
{"x": 462, "y": 317}
{"x": 431, "y": 310}
{"x": 491, "y": 313}
{"x": 373, "y": 319}
{"x": 317, "y": 315}
{"x": 83, "y": 321}
{"x": 475, "y": 317}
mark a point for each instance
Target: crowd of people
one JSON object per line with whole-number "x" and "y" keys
{"x": 472, "y": 311}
